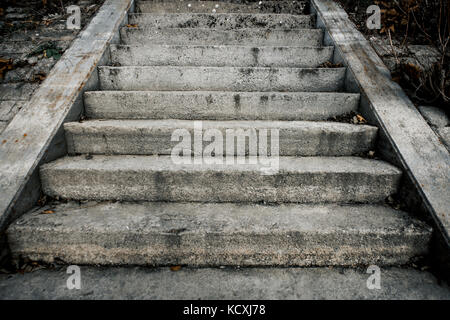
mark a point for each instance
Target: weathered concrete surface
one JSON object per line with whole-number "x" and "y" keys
{"x": 208, "y": 36}
{"x": 199, "y": 234}
{"x": 13, "y": 97}
{"x": 417, "y": 149}
{"x": 223, "y": 284}
{"x": 25, "y": 140}
{"x": 23, "y": 48}
{"x": 168, "y": 78}
{"x": 435, "y": 116}
{"x": 294, "y": 7}
{"x": 216, "y": 105}
{"x": 222, "y": 20}
{"x": 8, "y": 108}
{"x": 220, "y": 56}
{"x": 445, "y": 136}
{"x": 145, "y": 137}
{"x": 159, "y": 178}
{"x": 17, "y": 91}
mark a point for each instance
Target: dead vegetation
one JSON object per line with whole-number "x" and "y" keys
{"x": 413, "y": 22}
{"x": 34, "y": 36}
{"x": 21, "y": 15}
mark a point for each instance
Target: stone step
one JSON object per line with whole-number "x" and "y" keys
{"x": 198, "y": 36}
{"x": 294, "y": 7}
{"x": 147, "y": 137}
{"x": 224, "y": 283}
{"x": 220, "y": 56}
{"x": 217, "y": 105}
{"x": 169, "y": 78}
{"x": 201, "y": 234}
{"x": 272, "y": 179}
{"x": 222, "y": 20}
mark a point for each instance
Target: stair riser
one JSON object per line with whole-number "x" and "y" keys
{"x": 223, "y": 7}
{"x": 162, "y": 254}
{"x": 222, "y": 21}
{"x": 248, "y": 37}
{"x": 221, "y": 79}
{"x": 218, "y": 105}
{"x": 156, "y": 138}
{"x": 220, "y": 56}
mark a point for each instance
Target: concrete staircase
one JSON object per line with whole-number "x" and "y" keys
{"x": 240, "y": 67}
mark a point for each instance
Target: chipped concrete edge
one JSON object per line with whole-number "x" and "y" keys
{"x": 407, "y": 139}
{"x": 35, "y": 135}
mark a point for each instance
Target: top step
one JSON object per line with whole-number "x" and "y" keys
{"x": 291, "y": 7}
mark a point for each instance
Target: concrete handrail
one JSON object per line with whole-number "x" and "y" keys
{"x": 410, "y": 142}
{"x": 34, "y": 135}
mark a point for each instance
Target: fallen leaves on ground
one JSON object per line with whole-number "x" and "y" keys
{"x": 48, "y": 49}
{"x": 329, "y": 64}
{"x": 5, "y": 65}
{"x": 132, "y": 25}
{"x": 39, "y": 77}
{"x": 361, "y": 118}
{"x": 42, "y": 200}
{"x": 175, "y": 268}
{"x": 47, "y": 212}
{"x": 28, "y": 266}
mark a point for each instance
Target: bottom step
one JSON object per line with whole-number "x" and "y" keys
{"x": 198, "y": 234}
{"x": 217, "y": 284}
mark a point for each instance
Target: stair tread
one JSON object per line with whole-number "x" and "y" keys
{"x": 219, "y": 105}
{"x": 296, "y": 138}
{"x": 229, "y": 179}
{"x": 220, "y": 55}
{"x": 211, "y": 68}
{"x": 149, "y": 46}
{"x": 171, "y": 78}
{"x": 249, "y": 36}
{"x": 221, "y": 20}
{"x": 208, "y": 6}
{"x": 398, "y": 283}
{"x": 219, "y": 234}
{"x": 218, "y": 15}
{"x": 93, "y": 125}
{"x": 164, "y": 163}
{"x": 263, "y": 31}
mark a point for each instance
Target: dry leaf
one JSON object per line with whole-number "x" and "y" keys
{"x": 361, "y": 118}
{"x": 328, "y": 64}
{"x": 47, "y": 212}
{"x": 175, "y": 268}
{"x": 411, "y": 72}
{"x": 39, "y": 77}
{"x": 132, "y": 25}
{"x": 5, "y": 65}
